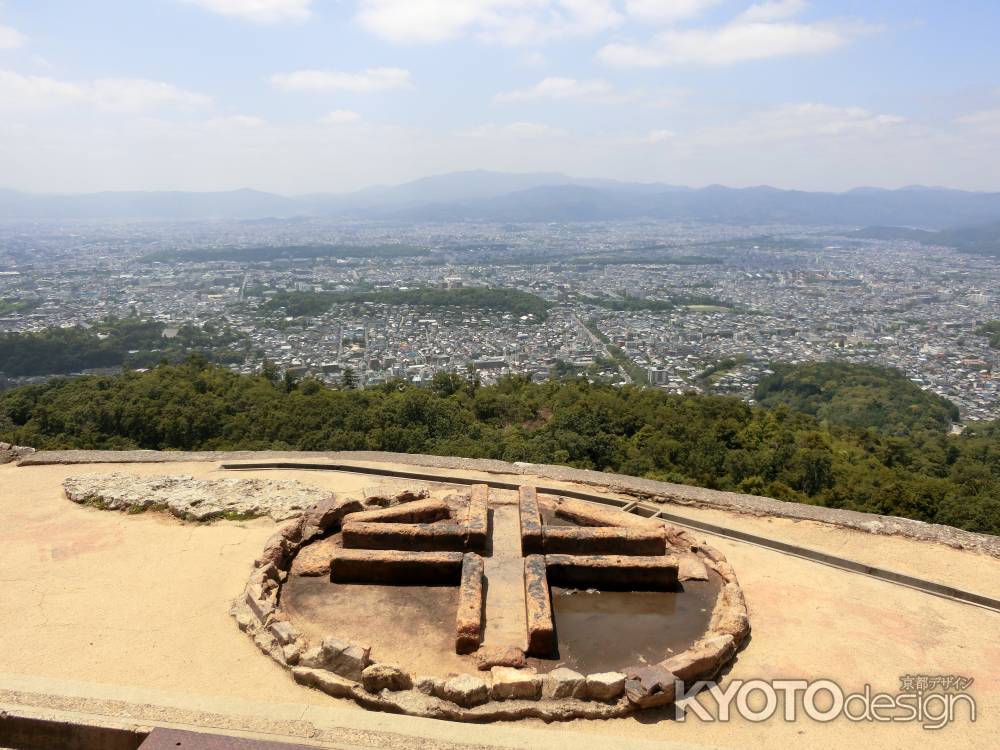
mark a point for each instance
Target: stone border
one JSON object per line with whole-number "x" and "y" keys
{"x": 347, "y": 670}
{"x": 10, "y": 453}
{"x": 645, "y": 489}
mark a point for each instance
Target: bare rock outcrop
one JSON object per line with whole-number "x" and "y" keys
{"x": 10, "y": 453}
{"x": 195, "y": 499}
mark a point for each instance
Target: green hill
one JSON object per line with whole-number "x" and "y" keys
{"x": 859, "y": 396}
{"x": 711, "y": 441}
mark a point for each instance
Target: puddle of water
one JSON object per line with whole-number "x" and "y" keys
{"x": 612, "y": 630}
{"x": 549, "y": 518}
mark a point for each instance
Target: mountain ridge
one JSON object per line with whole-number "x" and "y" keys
{"x": 481, "y": 195}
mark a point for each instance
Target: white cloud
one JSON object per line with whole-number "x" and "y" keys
{"x": 519, "y": 130}
{"x": 259, "y": 11}
{"x": 372, "y": 79}
{"x": 26, "y": 93}
{"x": 800, "y": 121}
{"x": 596, "y": 90}
{"x": 558, "y": 88}
{"x": 763, "y": 31}
{"x": 986, "y": 122}
{"x": 667, "y": 11}
{"x": 776, "y": 10}
{"x": 31, "y": 93}
{"x": 505, "y": 21}
{"x": 139, "y": 94}
{"x": 10, "y": 38}
{"x": 340, "y": 117}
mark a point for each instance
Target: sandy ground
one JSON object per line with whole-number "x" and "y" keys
{"x": 138, "y": 604}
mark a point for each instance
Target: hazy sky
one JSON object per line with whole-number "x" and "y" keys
{"x": 298, "y": 96}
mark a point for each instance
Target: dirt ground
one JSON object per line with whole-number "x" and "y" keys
{"x": 138, "y": 605}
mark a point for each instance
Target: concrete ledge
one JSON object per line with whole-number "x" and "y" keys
{"x": 469, "y": 621}
{"x": 477, "y": 522}
{"x": 392, "y": 567}
{"x": 34, "y": 733}
{"x": 531, "y": 521}
{"x": 603, "y": 540}
{"x": 612, "y": 572}
{"x": 418, "y": 511}
{"x": 585, "y": 513}
{"x": 402, "y": 536}
{"x": 538, "y": 607}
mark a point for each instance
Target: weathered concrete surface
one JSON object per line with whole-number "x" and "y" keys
{"x": 589, "y": 514}
{"x": 394, "y": 567}
{"x": 615, "y": 572}
{"x": 508, "y": 656}
{"x": 469, "y": 620}
{"x": 563, "y": 683}
{"x": 530, "y": 521}
{"x": 505, "y": 624}
{"x": 403, "y": 536}
{"x": 477, "y": 520}
{"x": 538, "y": 607}
{"x": 603, "y": 540}
{"x": 509, "y": 683}
{"x": 605, "y": 686}
{"x": 417, "y": 511}
{"x": 195, "y": 499}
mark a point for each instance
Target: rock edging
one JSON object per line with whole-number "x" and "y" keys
{"x": 348, "y": 670}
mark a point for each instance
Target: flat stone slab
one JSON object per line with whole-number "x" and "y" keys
{"x": 538, "y": 607}
{"x": 394, "y": 567}
{"x": 505, "y": 619}
{"x": 417, "y": 511}
{"x": 195, "y": 499}
{"x": 614, "y": 572}
{"x": 469, "y": 621}
{"x": 603, "y": 540}
{"x": 477, "y": 519}
{"x": 403, "y": 536}
{"x": 530, "y": 520}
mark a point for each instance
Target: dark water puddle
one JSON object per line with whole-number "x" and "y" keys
{"x": 605, "y": 631}
{"x": 549, "y": 518}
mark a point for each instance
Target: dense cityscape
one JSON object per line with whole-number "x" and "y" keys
{"x": 687, "y": 308}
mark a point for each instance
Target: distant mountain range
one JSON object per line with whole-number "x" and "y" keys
{"x": 539, "y": 197}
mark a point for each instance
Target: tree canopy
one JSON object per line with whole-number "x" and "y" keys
{"x": 852, "y": 395}
{"x": 712, "y": 441}
{"x": 113, "y": 342}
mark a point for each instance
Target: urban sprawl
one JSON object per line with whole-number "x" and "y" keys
{"x": 700, "y": 308}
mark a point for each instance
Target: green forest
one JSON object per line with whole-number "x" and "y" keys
{"x": 514, "y": 301}
{"x": 899, "y": 463}
{"x": 851, "y": 396}
{"x": 112, "y": 343}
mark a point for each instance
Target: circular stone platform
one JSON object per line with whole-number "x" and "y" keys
{"x": 492, "y": 604}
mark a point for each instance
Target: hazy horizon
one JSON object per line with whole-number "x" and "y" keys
{"x": 303, "y": 96}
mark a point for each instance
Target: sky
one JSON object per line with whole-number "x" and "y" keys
{"x": 302, "y": 96}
